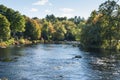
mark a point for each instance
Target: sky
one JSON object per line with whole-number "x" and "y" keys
{"x": 60, "y": 8}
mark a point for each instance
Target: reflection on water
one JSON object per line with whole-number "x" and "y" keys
{"x": 56, "y": 62}
{"x": 10, "y": 54}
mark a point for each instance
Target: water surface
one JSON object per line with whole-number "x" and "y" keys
{"x": 57, "y": 62}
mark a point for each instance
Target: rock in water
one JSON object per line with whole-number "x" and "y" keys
{"x": 77, "y": 56}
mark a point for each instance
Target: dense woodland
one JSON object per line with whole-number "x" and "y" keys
{"x": 100, "y": 30}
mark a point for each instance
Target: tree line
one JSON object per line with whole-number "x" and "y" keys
{"x": 100, "y": 30}
{"x": 14, "y": 25}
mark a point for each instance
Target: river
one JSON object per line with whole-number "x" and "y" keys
{"x": 57, "y": 62}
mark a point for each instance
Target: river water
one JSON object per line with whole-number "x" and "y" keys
{"x": 57, "y": 62}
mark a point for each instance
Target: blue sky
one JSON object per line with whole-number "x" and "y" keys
{"x": 40, "y": 8}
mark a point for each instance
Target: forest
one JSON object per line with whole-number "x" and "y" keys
{"x": 100, "y": 30}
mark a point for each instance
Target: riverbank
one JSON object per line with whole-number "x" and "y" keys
{"x": 14, "y": 42}
{"x": 93, "y": 48}
{"x": 22, "y": 41}
{"x": 26, "y": 41}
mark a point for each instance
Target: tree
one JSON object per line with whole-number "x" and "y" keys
{"x": 91, "y": 32}
{"x": 17, "y": 21}
{"x": 79, "y": 29}
{"x": 60, "y": 31}
{"x": 101, "y": 30}
{"x": 107, "y": 9}
{"x": 50, "y": 18}
{"x": 47, "y": 30}
{"x": 33, "y": 29}
{"x": 71, "y": 30}
{"x": 3, "y": 9}
{"x": 4, "y": 28}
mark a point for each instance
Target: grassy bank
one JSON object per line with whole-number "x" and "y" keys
{"x": 14, "y": 42}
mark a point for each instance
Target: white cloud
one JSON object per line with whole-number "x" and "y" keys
{"x": 41, "y": 2}
{"x": 66, "y": 10}
{"x": 34, "y": 10}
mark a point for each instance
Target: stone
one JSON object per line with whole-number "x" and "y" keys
{"x": 78, "y": 56}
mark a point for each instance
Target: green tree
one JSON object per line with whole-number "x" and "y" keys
{"x": 101, "y": 29}
{"x": 78, "y": 30}
{"x": 17, "y": 21}
{"x": 47, "y": 30}
{"x": 3, "y": 9}
{"x": 71, "y": 30}
{"x": 4, "y": 28}
{"x": 107, "y": 9}
{"x": 50, "y": 18}
{"x": 60, "y": 31}
{"x": 33, "y": 29}
{"x": 91, "y": 32}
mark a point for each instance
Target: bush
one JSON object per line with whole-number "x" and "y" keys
{"x": 22, "y": 41}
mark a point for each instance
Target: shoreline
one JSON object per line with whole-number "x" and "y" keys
{"x": 27, "y": 42}
{"x": 19, "y": 42}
